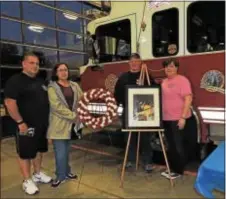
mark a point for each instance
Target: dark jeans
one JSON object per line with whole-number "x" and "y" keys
{"x": 181, "y": 144}
{"x": 145, "y": 147}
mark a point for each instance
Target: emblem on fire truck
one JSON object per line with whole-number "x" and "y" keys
{"x": 213, "y": 81}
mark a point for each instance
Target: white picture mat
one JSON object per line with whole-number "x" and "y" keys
{"x": 145, "y": 91}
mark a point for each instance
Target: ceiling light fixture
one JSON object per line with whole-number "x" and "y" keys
{"x": 78, "y": 36}
{"x": 35, "y": 28}
{"x": 70, "y": 16}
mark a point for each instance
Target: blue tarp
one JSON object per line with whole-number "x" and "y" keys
{"x": 211, "y": 173}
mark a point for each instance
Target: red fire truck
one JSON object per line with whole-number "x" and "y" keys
{"x": 193, "y": 32}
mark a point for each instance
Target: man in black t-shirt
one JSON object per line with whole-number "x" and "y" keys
{"x": 26, "y": 100}
{"x": 132, "y": 78}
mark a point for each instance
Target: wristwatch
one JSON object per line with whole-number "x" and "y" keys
{"x": 20, "y": 122}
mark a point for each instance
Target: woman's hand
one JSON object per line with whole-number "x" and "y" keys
{"x": 181, "y": 123}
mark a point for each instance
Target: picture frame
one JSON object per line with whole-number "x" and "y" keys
{"x": 143, "y": 108}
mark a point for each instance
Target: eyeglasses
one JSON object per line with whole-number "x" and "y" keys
{"x": 62, "y": 70}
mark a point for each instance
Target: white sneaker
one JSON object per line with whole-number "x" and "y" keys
{"x": 41, "y": 177}
{"x": 166, "y": 174}
{"x": 30, "y": 187}
{"x": 172, "y": 175}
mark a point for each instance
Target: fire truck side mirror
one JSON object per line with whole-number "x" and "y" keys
{"x": 89, "y": 46}
{"x": 92, "y": 48}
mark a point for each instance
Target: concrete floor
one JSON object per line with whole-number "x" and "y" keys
{"x": 100, "y": 177}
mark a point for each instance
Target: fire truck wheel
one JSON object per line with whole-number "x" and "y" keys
{"x": 95, "y": 120}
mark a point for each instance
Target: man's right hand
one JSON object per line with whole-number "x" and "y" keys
{"x": 23, "y": 128}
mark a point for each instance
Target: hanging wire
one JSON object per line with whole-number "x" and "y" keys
{"x": 138, "y": 39}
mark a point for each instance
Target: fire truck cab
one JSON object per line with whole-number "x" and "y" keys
{"x": 193, "y": 32}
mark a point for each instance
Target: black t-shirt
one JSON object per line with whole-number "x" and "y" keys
{"x": 32, "y": 98}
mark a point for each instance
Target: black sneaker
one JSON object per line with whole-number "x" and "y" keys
{"x": 149, "y": 168}
{"x": 71, "y": 176}
{"x": 129, "y": 165}
{"x": 56, "y": 183}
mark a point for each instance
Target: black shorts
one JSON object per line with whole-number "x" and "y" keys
{"x": 27, "y": 147}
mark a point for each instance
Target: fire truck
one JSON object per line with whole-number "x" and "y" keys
{"x": 193, "y": 32}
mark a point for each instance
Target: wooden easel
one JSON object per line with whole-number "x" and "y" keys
{"x": 144, "y": 71}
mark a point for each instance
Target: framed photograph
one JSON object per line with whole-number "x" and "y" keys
{"x": 143, "y": 107}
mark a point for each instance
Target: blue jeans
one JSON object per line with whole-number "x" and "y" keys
{"x": 61, "y": 149}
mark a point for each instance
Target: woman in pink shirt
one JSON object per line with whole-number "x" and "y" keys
{"x": 176, "y": 103}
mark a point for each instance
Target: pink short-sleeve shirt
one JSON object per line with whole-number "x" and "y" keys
{"x": 173, "y": 92}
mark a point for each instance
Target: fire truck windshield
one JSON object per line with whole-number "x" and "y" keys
{"x": 112, "y": 41}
